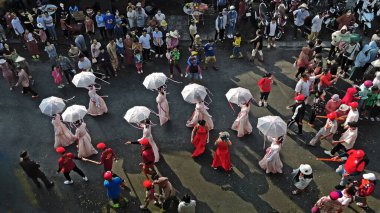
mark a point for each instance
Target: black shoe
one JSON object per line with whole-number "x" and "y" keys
{"x": 50, "y": 185}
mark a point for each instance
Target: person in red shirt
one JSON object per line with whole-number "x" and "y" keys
{"x": 107, "y": 157}
{"x": 350, "y": 96}
{"x": 147, "y": 155}
{"x": 354, "y": 165}
{"x": 265, "y": 86}
{"x": 66, "y": 165}
{"x": 365, "y": 189}
{"x": 326, "y": 80}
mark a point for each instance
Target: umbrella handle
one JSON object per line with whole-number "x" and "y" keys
{"x": 178, "y": 82}
{"x": 103, "y": 80}
{"x": 232, "y": 107}
{"x": 69, "y": 99}
{"x": 264, "y": 142}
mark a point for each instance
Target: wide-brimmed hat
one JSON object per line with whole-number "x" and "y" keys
{"x": 335, "y": 98}
{"x": 343, "y": 107}
{"x": 19, "y": 59}
{"x": 369, "y": 176}
{"x": 376, "y": 63}
{"x": 2, "y": 61}
{"x": 164, "y": 23}
{"x": 174, "y": 34}
{"x": 303, "y": 6}
{"x": 39, "y": 25}
{"x": 306, "y": 169}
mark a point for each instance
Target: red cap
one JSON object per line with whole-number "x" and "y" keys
{"x": 354, "y": 105}
{"x": 358, "y": 153}
{"x": 60, "y": 150}
{"x": 332, "y": 115}
{"x": 334, "y": 195}
{"x": 144, "y": 141}
{"x": 299, "y": 97}
{"x": 107, "y": 175}
{"x": 147, "y": 184}
{"x": 101, "y": 145}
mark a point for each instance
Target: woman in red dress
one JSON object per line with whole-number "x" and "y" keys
{"x": 199, "y": 138}
{"x": 222, "y": 155}
{"x": 128, "y": 49}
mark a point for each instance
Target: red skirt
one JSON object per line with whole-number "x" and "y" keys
{"x": 222, "y": 157}
{"x": 33, "y": 47}
{"x": 199, "y": 141}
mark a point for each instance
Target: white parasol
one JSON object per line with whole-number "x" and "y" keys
{"x": 155, "y": 80}
{"x": 194, "y": 93}
{"x": 52, "y": 105}
{"x": 74, "y": 113}
{"x": 137, "y": 114}
{"x": 238, "y": 95}
{"x": 272, "y": 126}
{"x": 84, "y": 79}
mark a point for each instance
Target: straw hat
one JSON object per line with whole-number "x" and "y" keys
{"x": 19, "y": 59}
{"x": 174, "y": 34}
{"x": 303, "y": 6}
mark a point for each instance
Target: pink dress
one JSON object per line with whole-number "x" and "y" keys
{"x": 62, "y": 135}
{"x": 271, "y": 162}
{"x": 147, "y": 133}
{"x": 163, "y": 108}
{"x": 96, "y": 106}
{"x": 85, "y": 148}
{"x": 201, "y": 113}
{"x": 7, "y": 73}
{"x": 242, "y": 124}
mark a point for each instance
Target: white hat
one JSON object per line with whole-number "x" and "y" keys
{"x": 343, "y": 107}
{"x": 39, "y": 25}
{"x": 197, "y": 36}
{"x": 303, "y": 6}
{"x": 306, "y": 169}
{"x": 138, "y": 4}
{"x": 61, "y": 5}
{"x": 174, "y": 34}
{"x": 19, "y": 59}
{"x": 369, "y": 176}
{"x": 232, "y": 7}
{"x": 344, "y": 28}
{"x": 376, "y": 63}
{"x": 2, "y": 61}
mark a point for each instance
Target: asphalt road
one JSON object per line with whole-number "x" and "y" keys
{"x": 247, "y": 189}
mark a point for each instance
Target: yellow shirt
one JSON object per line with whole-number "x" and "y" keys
{"x": 237, "y": 41}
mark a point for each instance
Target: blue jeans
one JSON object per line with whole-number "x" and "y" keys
{"x": 194, "y": 76}
{"x": 230, "y": 29}
{"x": 52, "y": 32}
{"x": 236, "y": 51}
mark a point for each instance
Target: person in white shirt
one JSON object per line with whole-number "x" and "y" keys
{"x": 303, "y": 85}
{"x": 346, "y": 140}
{"x": 84, "y": 64}
{"x": 327, "y": 131}
{"x": 316, "y": 26}
{"x": 159, "y": 17}
{"x": 144, "y": 40}
{"x": 220, "y": 26}
{"x": 158, "y": 42}
{"x": 353, "y": 115}
{"x": 193, "y": 30}
{"x": 272, "y": 31}
{"x": 187, "y": 205}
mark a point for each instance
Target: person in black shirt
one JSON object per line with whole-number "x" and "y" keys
{"x": 105, "y": 63}
{"x": 298, "y": 112}
{"x": 32, "y": 169}
{"x": 257, "y": 46}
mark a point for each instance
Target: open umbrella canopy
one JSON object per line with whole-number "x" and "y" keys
{"x": 84, "y": 79}
{"x": 272, "y": 126}
{"x": 137, "y": 114}
{"x": 74, "y": 113}
{"x": 194, "y": 93}
{"x": 52, "y": 105}
{"x": 239, "y": 95}
{"x": 155, "y": 80}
